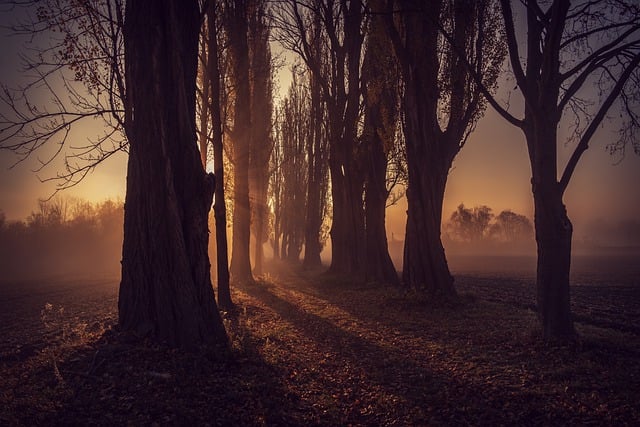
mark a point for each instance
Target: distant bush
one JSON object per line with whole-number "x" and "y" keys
{"x": 64, "y": 236}
{"x": 478, "y": 229}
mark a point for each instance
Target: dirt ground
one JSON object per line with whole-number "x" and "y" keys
{"x": 309, "y": 350}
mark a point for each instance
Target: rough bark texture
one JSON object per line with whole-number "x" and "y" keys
{"x": 553, "y": 228}
{"x": 441, "y": 105}
{"x": 239, "y": 50}
{"x": 166, "y": 291}
{"x": 316, "y": 177}
{"x": 425, "y": 264}
{"x": 261, "y": 143}
{"x": 219, "y": 207}
{"x": 540, "y": 83}
{"x": 553, "y": 237}
{"x": 429, "y": 157}
{"x": 347, "y": 228}
{"x": 381, "y": 113}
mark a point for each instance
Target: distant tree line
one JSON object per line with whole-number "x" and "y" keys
{"x": 63, "y": 236}
{"x": 480, "y": 228}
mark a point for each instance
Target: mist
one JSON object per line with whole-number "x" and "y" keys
{"x": 65, "y": 237}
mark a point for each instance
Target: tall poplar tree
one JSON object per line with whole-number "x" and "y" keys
{"x": 165, "y": 291}
{"x": 441, "y": 105}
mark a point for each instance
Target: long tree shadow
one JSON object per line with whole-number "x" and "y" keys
{"x": 386, "y": 384}
{"x": 115, "y": 381}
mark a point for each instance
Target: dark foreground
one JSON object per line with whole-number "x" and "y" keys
{"x": 312, "y": 352}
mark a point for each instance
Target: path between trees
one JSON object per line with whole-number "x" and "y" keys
{"x": 313, "y": 351}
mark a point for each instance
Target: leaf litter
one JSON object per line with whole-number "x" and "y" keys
{"x": 307, "y": 350}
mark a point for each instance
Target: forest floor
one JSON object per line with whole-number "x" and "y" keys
{"x": 307, "y": 350}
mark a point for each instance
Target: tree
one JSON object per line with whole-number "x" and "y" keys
{"x": 381, "y": 110}
{"x": 261, "y": 111}
{"x": 165, "y": 291}
{"x": 511, "y": 227}
{"x": 470, "y": 225}
{"x": 74, "y": 58}
{"x": 236, "y": 20}
{"x": 337, "y": 70}
{"x": 441, "y": 105}
{"x": 317, "y": 156}
{"x": 294, "y": 136}
{"x": 212, "y": 86}
{"x": 580, "y": 58}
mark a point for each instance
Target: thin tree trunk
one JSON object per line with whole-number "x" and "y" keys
{"x": 239, "y": 48}
{"x": 219, "y": 207}
{"x": 316, "y": 172}
{"x": 165, "y": 291}
{"x": 379, "y": 266}
{"x": 381, "y": 113}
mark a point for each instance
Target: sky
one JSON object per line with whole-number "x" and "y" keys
{"x": 492, "y": 169}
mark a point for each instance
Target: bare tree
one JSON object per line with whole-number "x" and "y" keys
{"x": 165, "y": 291}
{"x": 211, "y": 107}
{"x": 236, "y": 20}
{"x": 74, "y": 59}
{"x": 295, "y": 133}
{"x": 580, "y": 58}
{"x": 317, "y": 157}
{"x": 381, "y": 78}
{"x": 441, "y": 105}
{"x": 261, "y": 127}
{"x": 337, "y": 70}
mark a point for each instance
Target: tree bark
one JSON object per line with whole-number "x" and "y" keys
{"x": 425, "y": 265}
{"x": 379, "y": 267}
{"x": 381, "y": 105}
{"x": 553, "y": 237}
{"x": 261, "y": 142}
{"x": 316, "y": 167}
{"x": 239, "y": 49}
{"x": 219, "y": 207}
{"x": 553, "y": 227}
{"x": 165, "y": 290}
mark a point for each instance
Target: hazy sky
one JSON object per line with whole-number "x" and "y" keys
{"x": 492, "y": 169}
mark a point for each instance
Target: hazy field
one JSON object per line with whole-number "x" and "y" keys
{"x": 605, "y": 292}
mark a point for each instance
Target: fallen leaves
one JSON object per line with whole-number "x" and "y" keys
{"x": 308, "y": 352}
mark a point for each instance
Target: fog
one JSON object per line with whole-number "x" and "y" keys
{"x": 70, "y": 237}
{"x": 65, "y": 238}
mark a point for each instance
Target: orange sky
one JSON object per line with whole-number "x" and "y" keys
{"x": 491, "y": 170}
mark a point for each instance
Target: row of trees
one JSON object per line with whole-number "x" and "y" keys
{"x": 377, "y": 74}
{"x": 478, "y": 224}
{"x": 63, "y": 236}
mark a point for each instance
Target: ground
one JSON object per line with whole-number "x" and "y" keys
{"x": 312, "y": 350}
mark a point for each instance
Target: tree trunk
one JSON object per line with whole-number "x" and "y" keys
{"x": 165, "y": 291}
{"x": 316, "y": 171}
{"x": 312, "y": 247}
{"x": 347, "y": 227}
{"x": 379, "y": 267}
{"x": 553, "y": 236}
{"x": 381, "y": 113}
{"x": 425, "y": 264}
{"x": 219, "y": 207}
{"x": 553, "y": 230}
{"x": 261, "y": 125}
{"x": 239, "y": 49}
